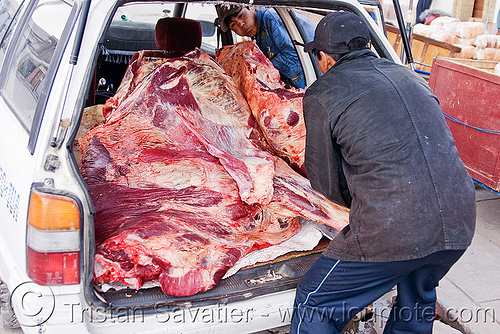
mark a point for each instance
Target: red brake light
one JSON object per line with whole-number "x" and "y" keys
{"x": 54, "y": 268}
{"x": 53, "y": 239}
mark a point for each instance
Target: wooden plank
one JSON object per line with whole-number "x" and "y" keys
{"x": 485, "y": 65}
{"x": 478, "y": 8}
{"x": 418, "y": 50}
{"x": 443, "y": 45}
{"x": 424, "y": 49}
{"x": 394, "y": 37}
{"x": 434, "y": 51}
{"x": 463, "y": 9}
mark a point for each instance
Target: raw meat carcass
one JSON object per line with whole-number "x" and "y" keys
{"x": 251, "y": 167}
{"x": 141, "y": 65}
{"x": 278, "y": 110}
{"x": 166, "y": 172}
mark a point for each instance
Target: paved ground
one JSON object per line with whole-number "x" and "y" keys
{"x": 469, "y": 295}
{"x": 10, "y": 331}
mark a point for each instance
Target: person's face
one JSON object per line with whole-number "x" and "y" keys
{"x": 244, "y": 23}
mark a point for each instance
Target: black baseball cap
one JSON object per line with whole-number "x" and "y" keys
{"x": 335, "y": 31}
{"x": 224, "y": 11}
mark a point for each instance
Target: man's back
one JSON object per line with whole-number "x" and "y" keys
{"x": 376, "y": 140}
{"x": 411, "y": 195}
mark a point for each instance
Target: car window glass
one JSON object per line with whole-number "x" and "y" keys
{"x": 144, "y": 12}
{"x": 316, "y": 16}
{"x": 32, "y": 55}
{"x": 375, "y": 14}
{"x": 206, "y": 14}
{"x": 133, "y": 26}
{"x": 133, "y": 29}
{"x": 8, "y": 10}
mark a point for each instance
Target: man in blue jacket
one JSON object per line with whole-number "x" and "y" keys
{"x": 378, "y": 143}
{"x": 266, "y": 28}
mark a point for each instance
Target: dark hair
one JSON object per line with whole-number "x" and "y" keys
{"x": 317, "y": 53}
{"x": 229, "y": 18}
{"x": 355, "y": 44}
{"x": 358, "y": 43}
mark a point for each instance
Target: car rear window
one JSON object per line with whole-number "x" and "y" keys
{"x": 27, "y": 67}
{"x": 206, "y": 14}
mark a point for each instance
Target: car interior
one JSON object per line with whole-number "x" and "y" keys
{"x": 170, "y": 36}
{"x": 180, "y": 30}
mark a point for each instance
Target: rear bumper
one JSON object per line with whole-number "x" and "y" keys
{"x": 248, "y": 316}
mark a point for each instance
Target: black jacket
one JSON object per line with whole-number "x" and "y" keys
{"x": 379, "y": 124}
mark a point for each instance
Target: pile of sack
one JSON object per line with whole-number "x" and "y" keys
{"x": 471, "y": 37}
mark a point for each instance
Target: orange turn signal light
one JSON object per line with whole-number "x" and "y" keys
{"x": 53, "y": 212}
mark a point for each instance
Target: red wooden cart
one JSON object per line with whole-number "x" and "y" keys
{"x": 469, "y": 94}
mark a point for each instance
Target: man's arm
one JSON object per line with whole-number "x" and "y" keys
{"x": 285, "y": 59}
{"x": 323, "y": 161}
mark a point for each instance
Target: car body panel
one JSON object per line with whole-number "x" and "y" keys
{"x": 43, "y": 157}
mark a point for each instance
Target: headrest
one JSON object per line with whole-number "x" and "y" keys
{"x": 177, "y": 35}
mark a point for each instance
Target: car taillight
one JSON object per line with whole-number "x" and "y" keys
{"x": 53, "y": 239}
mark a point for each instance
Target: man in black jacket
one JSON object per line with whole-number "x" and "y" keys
{"x": 378, "y": 143}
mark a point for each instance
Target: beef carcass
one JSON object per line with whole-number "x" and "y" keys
{"x": 168, "y": 204}
{"x": 251, "y": 167}
{"x": 278, "y": 110}
{"x": 141, "y": 64}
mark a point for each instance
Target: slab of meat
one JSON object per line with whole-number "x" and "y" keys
{"x": 278, "y": 110}
{"x": 142, "y": 64}
{"x": 251, "y": 167}
{"x": 165, "y": 172}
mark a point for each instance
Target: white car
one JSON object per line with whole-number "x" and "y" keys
{"x": 58, "y": 57}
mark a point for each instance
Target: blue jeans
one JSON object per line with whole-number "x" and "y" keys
{"x": 334, "y": 291}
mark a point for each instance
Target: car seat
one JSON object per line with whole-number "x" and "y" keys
{"x": 174, "y": 37}
{"x": 177, "y": 36}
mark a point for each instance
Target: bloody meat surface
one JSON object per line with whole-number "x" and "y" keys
{"x": 278, "y": 110}
{"x": 183, "y": 184}
{"x": 142, "y": 64}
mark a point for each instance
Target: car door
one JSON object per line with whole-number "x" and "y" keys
{"x": 30, "y": 51}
